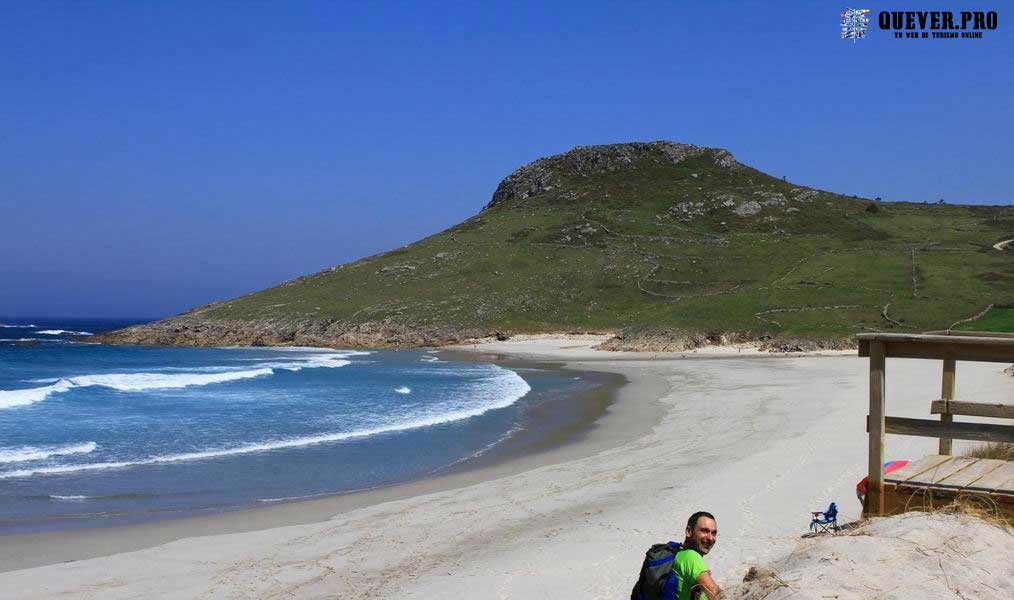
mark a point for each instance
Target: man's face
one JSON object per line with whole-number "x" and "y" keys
{"x": 703, "y": 534}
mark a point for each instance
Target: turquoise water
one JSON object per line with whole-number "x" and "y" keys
{"x": 93, "y": 434}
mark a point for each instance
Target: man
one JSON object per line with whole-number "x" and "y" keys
{"x": 695, "y": 577}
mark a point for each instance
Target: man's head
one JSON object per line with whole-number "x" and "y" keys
{"x": 701, "y": 532}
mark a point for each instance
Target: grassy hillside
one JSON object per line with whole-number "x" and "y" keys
{"x": 667, "y": 235}
{"x": 998, "y": 318}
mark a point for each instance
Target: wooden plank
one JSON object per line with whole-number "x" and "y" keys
{"x": 969, "y": 475}
{"x": 899, "y": 345}
{"x": 947, "y": 394}
{"x": 958, "y": 340}
{"x": 988, "y": 334}
{"x": 942, "y": 471}
{"x": 972, "y": 409}
{"x": 979, "y": 432}
{"x": 875, "y": 485}
{"x": 916, "y": 468}
{"x": 942, "y": 350}
{"x": 1001, "y": 479}
{"x": 985, "y": 353}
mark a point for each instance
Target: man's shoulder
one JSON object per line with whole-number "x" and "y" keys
{"x": 690, "y": 559}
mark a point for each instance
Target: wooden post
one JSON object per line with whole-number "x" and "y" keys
{"x": 875, "y": 484}
{"x": 946, "y": 394}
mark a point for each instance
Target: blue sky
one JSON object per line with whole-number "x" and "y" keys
{"x": 157, "y": 157}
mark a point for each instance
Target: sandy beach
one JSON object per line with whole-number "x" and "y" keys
{"x": 758, "y": 439}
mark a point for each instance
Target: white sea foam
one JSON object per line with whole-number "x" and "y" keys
{"x": 305, "y": 358}
{"x": 30, "y": 453}
{"x": 12, "y": 398}
{"x": 72, "y": 498}
{"x": 506, "y": 436}
{"x": 430, "y": 359}
{"x": 499, "y": 390}
{"x": 127, "y": 382}
{"x": 63, "y": 332}
{"x": 6, "y": 326}
{"x": 404, "y": 390}
{"x": 286, "y": 498}
{"x": 133, "y": 382}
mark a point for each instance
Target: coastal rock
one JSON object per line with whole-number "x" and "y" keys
{"x": 189, "y": 331}
{"x": 649, "y": 338}
{"x": 1009, "y": 371}
{"x": 662, "y": 339}
{"x": 800, "y": 345}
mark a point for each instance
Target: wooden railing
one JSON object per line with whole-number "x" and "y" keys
{"x": 949, "y": 348}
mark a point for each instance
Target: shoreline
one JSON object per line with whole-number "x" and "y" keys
{"x": 575, "y": 438}
{"x": 756, "y": 439}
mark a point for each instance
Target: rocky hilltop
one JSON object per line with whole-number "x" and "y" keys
{"x": 669, "y": 245}
{"x": 548, "y": 173}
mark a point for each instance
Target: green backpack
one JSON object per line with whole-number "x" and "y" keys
{"x": 658, "y": 580}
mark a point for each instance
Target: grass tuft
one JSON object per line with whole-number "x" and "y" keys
{"x": 994, "y": 450}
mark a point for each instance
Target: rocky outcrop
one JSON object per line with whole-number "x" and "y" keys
{"x": 666, "y": 339}
{"x": 801, "y": 345}
{"x": 663, "y": 339}
{"x": 182, "y": 331}
{"x": 1009, "y": 371}
{"x": 545, "y": 173}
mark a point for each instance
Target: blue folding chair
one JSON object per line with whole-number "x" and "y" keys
{"x": 825, "y": 521}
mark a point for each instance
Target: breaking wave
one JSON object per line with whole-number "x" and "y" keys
{"x": 12, "y": 398}
{"x": 126, "y": 382}
{"x": 30, "y": 453}
{"x": 500, "y": 390}
{"x": 134, "y": 382}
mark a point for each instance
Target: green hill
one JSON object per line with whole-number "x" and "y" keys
{"x": 652, "y": 237}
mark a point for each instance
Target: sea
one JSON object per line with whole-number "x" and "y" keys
{"x": 94, "y": 435}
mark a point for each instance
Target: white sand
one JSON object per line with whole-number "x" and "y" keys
{"x": 757, "y": 439}
{"x": 914, "y": 555}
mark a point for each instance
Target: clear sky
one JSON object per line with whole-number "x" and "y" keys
{"x": 158, "y": 156}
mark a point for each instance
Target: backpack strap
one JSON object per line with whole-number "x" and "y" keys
{"x": 675, "y": 547}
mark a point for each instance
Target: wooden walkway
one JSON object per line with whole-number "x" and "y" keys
{"x": 938, "y": 479}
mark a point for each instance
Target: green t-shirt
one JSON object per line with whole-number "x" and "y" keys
{"x": 688, "y": 565}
